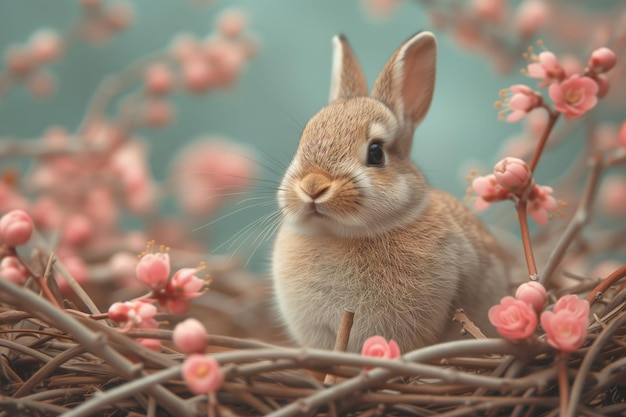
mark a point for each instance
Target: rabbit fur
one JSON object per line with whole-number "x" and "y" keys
{"x": 373, "y": 237}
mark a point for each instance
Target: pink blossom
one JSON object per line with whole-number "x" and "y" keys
{"x": 190, "y": 336}
{"x": 175, "y": 305}
{"x": 532, "y": 293}
{"x": 185, "y": 47}
{"x": 18, "y": 60}
{"x": 10, "y": 199}
{"x": 531, "y": 16}
{"x": 622, "y": 134}
{"x": 602, "y": 60}
{"x": 512, "y": 174}
{"x": 12, "y": 269}
{"x": 603, "y": 85}
{"x": 540, "y": 202}
{"x": 41, "y": 84}
{"x": 16, "y": 228}
{"x": 547, "y": 68}
{"x": 226, "y": 60}
{"x": 378, "y": 347}
{"x": 571, "y": 303}
{"x": 574, "y": 96}
{"x": 158, "y": 79}
{"x": 137, "y": 313}
{"x": 202, "y": 374}
{"x": 152, "y": 344}
{"x": 77, "y": 229}
{"x": 612, "y": 196}
{"x": 488, "y": 190}
{"x": 185, "y": 284}
{"x": 513, "y": 319}
{"x": 493, "y": 10}
{"x": 198, "y": 75}
{"x": 153, "y": 270}
{"x": 231, "y": 23}
{"x": 46, "y": 46}
{"x": 522, "y": 101}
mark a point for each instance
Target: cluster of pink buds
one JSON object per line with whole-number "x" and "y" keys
{"x": 512, "y": 180}
{"x": 573, "y": 90}
{"x": 101, "y": 21}
{"x": 516, "y": 318}
{"x": 196, "y": 66}
{"x": 173, "y": 293}
{"x": 201, "y": 373}
{"x": 27, "y": 63}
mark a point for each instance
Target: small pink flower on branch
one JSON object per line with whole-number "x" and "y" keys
{"x": 522, "y": 101}
{"x": 601, "y": 60}
{"x": 540, "y": 202}
{"x": 378, "y": 347}
{"x": 190, "y": 336}
{"x": 532, "y": 293}
{"x": 158, "y": 79}
{"x": 12, "y": 269}
{"x": 16, "y": 228}
{"x": 514, "y": 319}
{"x": 513, "y": 174}
{"x": 622, "y": 135}
{"x": 137, "y": 313}
{"x": 202, "y": 374}
{"x": 46, "y": 46}
{"x": 545, "y": 67}
{"x": 574, "y": 96}
{"x": 489, "y": 191}
{"x": 566, "y": 325}
{"x": 153, "y": 269}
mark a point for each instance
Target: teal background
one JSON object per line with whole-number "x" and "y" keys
{"x": 280, "y": 89}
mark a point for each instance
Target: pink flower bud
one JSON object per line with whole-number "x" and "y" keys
{"x": 540, "y": 202}
{"x": 158, "y": 79}
{"x": 622, "y": 135}
{"x": 532, "y": 293}
{"x": 231, "y": 23}
{"x": 153, "y": 270}
{"x": 378, "y": 347}
{"x": 137, "y": 313}
{"x": 190, "y": 336}
{"x": 488, "y": 190}
{"x": 11, "y": 269}
{"x": 202, "y": 374}
{"x": 118, "y": 312}
{"x": 512, "y": 174}
{"x": 152, "y": 344}
{"x": 603, "y": 85}
{"x": 77, "y": 229}
{"x": 198, "y": 75}
{"x": 16, "y": 227}
{"x": 602, "y": 60}
{"x": 513, "y": 319}
{"x": 612, "y": 196}
{"x": 531, "y": 16}
{"x": 46, "y": 46}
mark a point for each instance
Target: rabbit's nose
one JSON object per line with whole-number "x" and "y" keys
{"x": 315, "y": 186}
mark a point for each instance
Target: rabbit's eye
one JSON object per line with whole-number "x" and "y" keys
{"x": 375, "y": 154}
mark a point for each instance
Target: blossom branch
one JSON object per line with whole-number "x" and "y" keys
{"x": 580, "y": 219}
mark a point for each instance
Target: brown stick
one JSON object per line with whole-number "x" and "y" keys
{"x": 343, "y": 337}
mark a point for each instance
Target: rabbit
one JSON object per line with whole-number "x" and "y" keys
{"x": 361, "y": 228}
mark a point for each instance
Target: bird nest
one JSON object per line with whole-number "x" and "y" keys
{"x": 71, "y": 360}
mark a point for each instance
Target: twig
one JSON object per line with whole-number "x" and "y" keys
{"x": 580, "y": 219}
{"x": 606, "y": 283}
{"x": 468, "y": 325}
{"x": 552, "y": 118}
{"x": 561, "y": 364}
{"x": 93, "y": 342}
{"x": 343, "y": 337}
{"x": 585, "y": 365}
{"x": 526, "y": 240}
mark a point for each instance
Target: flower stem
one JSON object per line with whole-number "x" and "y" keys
{"x": 561, "y": 363}
{"x": 553, "y": 117}
{"x": 528, "y": 247}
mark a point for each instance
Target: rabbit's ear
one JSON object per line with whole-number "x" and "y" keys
{"x": 347, "y": 79}
{"x": 407, "y": 82}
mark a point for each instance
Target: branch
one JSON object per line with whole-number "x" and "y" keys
{"x": 580, "y": 219}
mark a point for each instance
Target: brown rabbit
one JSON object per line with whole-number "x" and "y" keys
{"x": 362, "y": 230}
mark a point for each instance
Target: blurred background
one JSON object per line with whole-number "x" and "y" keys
{"x": 282, "y": 86}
